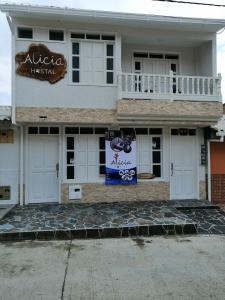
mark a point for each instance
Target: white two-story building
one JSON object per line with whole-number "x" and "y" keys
{"x": 77, "y": 73}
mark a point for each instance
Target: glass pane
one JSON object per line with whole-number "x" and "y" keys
{"x": 157, "y": 170}
{"x": 102, "y": 170}
{"x": 54, "y": 130}
{"x": 155, "y": 143}
{"x": 70, "y": 143}
{"x": 70, "y": 172}
{"x": 174, "y": 131}
{"x": 77, "y": 35}
{"x": 102, "y": 143}
{"x": 56, "y": 35}
{"x": 100, "y": 130}
{"x": 140, "y": 54}
{"x": 75, "y": 48}
{"x": 86, "y": 130}
{"x": 76, "y": 76}
{"x": 137, "y": 65}
{"x": 72, "y": 130}
{"x": 192, "y": 132}
{"x": 33, "y": 130}
{"x": 70, "y": 158}
{"x": 109, "y": 51}
{"x": 93, "y": 36}
{"x": 76, "y": 61}
{"x": 156, "y": 157}
{"x": 25, "y": 33}
{"x": 109, "y": 77}
{"x": 109, "y": 63}
{"x": 156, "y": 55}
{"x": 155, "y": 130}
{"x": 102, "y": 157}
{"x": 43, "y": 130}
{"x": 108, "y": 37}
{"x": 141, "y": 131}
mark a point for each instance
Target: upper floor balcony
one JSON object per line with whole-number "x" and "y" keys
{"x": 169, "y": 87}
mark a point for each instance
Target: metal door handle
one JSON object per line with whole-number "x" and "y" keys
{"x": 171, "y": 169}
{"x": 57, "y": 169}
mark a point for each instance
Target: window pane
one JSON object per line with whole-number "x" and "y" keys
{"x": 102, "y": 143}
{"x": 174, "y": 131}
{"x": 109, "y": 50}
{"x": 76, "y": 62}
{"x": 141, "y": 130}
{"x": 86, "y": 130}
{"x": 156, "y": 55}
{"x": 157, "y": 170}
{"x": 140, "y": 54}
{"x": 100, "y": 130}
{"x": 70, "y": 143}
{"x": 102, "y": 157}
{"x": 76, "y": 76}
{"x": 70, "y": 158}
{"x": 137, "y": 65}
{"x": 70, "y": 172}
{"x": 171, "y": 56}
{"x": 77, "y": 35}
{"x": 33, "y": 130}
{"x": 56, "y": 35}
{"x": 71, "y": 130}
{"x": 155, "y": 143}
{"x": 43, "y": 130}
{"x": 109, "y": 77}
{"x": 25, "y": 33}
{"x": 75, "y": 47}
{"x": 54, "y": 130}
{"x": 155, "y": 131}
{"x": 108, "y": 37}
{"x": 156, "y": 157}
{"x": 109, "y": 63}
{"x": 192, "y": 132}
{"x": 101, "y": 170}
{"x": 93, "y": 36}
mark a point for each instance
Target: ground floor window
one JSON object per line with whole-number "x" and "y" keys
{"x": 85, "y": 152}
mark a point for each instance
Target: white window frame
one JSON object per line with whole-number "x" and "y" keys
{"x": 70, "y": 69}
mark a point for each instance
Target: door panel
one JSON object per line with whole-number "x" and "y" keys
{"x": 43, "y": 157}
{"x": 184, "y": 168}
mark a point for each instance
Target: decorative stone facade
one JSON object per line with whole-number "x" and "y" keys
{"x": 202, "y": 190}
{"x": 98, "y": 192}
{"x": 200, "y": 111}
{"x": 152, "y": 112}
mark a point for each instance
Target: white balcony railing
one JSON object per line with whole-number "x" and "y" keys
{"x": 169, "y": 87}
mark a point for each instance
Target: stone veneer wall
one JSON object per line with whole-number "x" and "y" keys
{"x": 99, "y": 192}
{"x": 202, "y": 190}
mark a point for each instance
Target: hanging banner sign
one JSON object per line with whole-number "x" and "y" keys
{"x": 120, "y": 157}
{"x": 40, "y": 63}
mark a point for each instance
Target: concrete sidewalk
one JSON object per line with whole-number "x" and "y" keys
{"x": 158, "y": 268}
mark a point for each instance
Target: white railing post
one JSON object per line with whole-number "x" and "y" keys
{"x": 218, "y": 85}
{"x": 171, "y": 85}
{"x": 119, "y": 86}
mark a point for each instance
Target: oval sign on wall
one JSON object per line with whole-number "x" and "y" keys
{"x": 40, "y": 63}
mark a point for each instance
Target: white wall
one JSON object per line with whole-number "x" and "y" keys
{"x": 187, "y": 58}
{"x": 204, "y": 59}
{"x": 35, "y": 93}
{"x": 9, "y": 167}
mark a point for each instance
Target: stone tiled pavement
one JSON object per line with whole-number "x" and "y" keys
{"x": 56, "y": 221}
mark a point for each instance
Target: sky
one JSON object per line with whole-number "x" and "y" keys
{"x": 132, "y": 6}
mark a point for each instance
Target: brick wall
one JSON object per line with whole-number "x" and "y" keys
{"x": 218, "y": 188}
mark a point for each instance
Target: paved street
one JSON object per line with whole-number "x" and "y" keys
{"x": 190, "y": 267}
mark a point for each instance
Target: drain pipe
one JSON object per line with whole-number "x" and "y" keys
{"x": 21, "y": 167}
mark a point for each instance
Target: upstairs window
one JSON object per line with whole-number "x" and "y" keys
{"x": 56, "y": 35}
{"x": 93, "y": 59}
{"x": 24, "y": 33}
